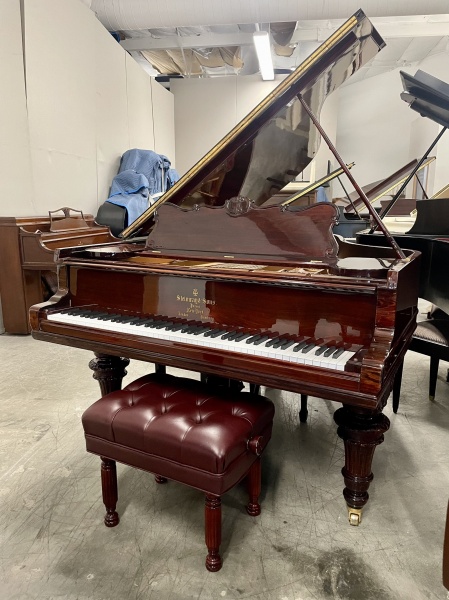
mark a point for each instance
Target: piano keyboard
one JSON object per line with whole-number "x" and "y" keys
{"x": 306, "y": 351}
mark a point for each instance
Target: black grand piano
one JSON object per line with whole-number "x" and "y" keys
{"x": 211, "y": 280}
{"x": 429, "y": 234}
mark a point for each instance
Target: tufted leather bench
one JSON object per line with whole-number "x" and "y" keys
{"x": 183, "y": 430}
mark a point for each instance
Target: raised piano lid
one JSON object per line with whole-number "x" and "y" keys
{"x": 277, "y": 140}
{"x": 376, "y": 190}
{"x": 427, "y": 95}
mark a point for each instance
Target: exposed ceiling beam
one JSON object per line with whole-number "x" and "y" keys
{"x": 307, "y": 31}
{"x": 206, "y": 40}
{"x": 391, "y": 27}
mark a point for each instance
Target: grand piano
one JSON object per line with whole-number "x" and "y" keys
{"x": 211, "y": 280}
{"x": 429, "y": 234}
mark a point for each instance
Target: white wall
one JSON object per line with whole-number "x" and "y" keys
{"x": 16, "y": 183}
{"x": 163, "y": 121}
{"x": 82, "y": 102}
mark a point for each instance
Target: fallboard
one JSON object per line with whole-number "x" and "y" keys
{"x": 330, "y": 313}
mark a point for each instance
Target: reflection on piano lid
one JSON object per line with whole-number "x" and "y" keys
{"x": 316, "y": 184}
{"x": 276, "y": 141}
{"x": 376, "y": 190}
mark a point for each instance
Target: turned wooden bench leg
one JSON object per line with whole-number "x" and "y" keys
{"x": 212, "y": 515}
{"x": 110, "y": 493}
{"x": 254, "y": 487}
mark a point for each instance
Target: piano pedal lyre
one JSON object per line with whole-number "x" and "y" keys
{"x": 354, "y": 516}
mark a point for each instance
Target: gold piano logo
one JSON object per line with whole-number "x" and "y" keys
{"x": 194, "y": 305}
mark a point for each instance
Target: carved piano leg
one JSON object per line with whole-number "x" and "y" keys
{"x": 361, "y": 430}
{"x": 108, "y": 371}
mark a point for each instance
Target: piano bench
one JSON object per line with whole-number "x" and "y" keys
{"x": 183, "y": 430}
{"x": 431, "y": 338}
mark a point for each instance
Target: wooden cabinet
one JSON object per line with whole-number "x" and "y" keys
{"x": 27, "y": 268}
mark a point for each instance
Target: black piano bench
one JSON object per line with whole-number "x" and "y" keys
{"x": 431, "y": 338}
{"x": 180, "y": 429}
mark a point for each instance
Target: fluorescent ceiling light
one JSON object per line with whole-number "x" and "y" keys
{"x": 263, "y": 50}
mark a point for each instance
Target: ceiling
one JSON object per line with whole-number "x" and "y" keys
{"x": 214, "y": 38}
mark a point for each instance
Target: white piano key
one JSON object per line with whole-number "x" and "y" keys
{"x": 262, "y": 350}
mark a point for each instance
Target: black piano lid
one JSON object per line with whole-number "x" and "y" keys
{"x": 243, "y": 163}
{"x": 427, "y": 95}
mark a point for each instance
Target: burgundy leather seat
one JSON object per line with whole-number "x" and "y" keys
{"x": 183, "y": 430}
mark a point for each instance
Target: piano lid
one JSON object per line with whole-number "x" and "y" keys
{"x": 277, "y": 140}
{"x": 376, "y": 190}
{"x": 427, "y": 95}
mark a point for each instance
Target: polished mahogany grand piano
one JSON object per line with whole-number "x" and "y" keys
{"x": 211, "y": 280}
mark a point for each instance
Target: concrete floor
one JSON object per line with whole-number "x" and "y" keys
{"x": 53, "y": 544}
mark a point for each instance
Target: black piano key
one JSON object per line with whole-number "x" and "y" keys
{"x": 287, "y": 344}
{"x": 242, "y": 336}
{"x": 272, "y": 341}
{"x": 279, "y": 343}
{"x": 175, "y": 326}
{"x": 210, "y": 332}
{"x": 102, "y": 315}
{"x": 163, "y": 324}
{"x": 339, "y": 352}
{"x": 140, "y": 320}
{"x": 330, "y": 351}
{"x": 233, "y": 336}
{"x": 320, "y": 350}
{"x": 188, "y": 328}
{"x": 149, "y": 322}
{"x": 200, "y": 330}
{"x": 130, "y": 319}
{"x": 261, "y": 340}
{"x": 300, "y": 346}
{"x": 117, "y": 319}
{"x": 308, "y": 347}
{"x": 228, "y": 334}
{"x": 254, "y": 338}
{"x": 217, "y": 333}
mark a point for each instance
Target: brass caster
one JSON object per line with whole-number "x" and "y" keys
{"x": 431, "y": 398}
{"x": 354, "y": 516}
